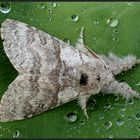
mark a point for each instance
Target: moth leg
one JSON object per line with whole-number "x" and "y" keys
{"x": 122, "y": 89}
{"x": 118, "y": 64}
{"x": 83, "y": 103}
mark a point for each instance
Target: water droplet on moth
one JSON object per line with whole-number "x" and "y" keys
{"x": 96, "y": 21}
{"x": 53, "y": 4}
{"x": 112, "y": 22}
{"x": 16, "y": 134}
{"x": 108, "y": 125}
{"x": 137, "y": 116}
{"x": 75, "y": 18}
{"x": 5, "y": 7}
{"x": 72, "y": 117}
{"x": 120, "y": 122}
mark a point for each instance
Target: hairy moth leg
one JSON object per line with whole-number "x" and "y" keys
{"x": 82, "y": 100}
{"x": 122, "y": 89}
{"x": 118, "y": 64}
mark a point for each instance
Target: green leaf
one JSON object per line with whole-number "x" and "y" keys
{"x": 110, "y": 116}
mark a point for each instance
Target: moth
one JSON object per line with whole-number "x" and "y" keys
{"x": 52, "y": 72}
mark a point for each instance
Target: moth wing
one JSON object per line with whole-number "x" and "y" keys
{"x": 29, "y": 50}
{"x": 27, "y": 96}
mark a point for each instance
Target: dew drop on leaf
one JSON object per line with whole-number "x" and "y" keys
{"x": 75, "y": 17}
{"x": 96, "y": 21}
{"x": 112, "y": 22}
{"x": 71, "y": 117}
{"x": 120, "y": 122}
{"x": 49, "y": 19}
{"x": 101, "y": 117}
{"x": 122, "y": 114}
{"x": 43, "y": 6}
{"x": 66, "y": 40}
{"x": 5, "y": 7}
{"x": 131, "y": 102}
{"x": 138, "y": 128}
{"x": 137, "y": 116}
{"x": 50, "y": 10}
{"x": 16, "y": 134}
{"x": 138, "y": 84}
{"x": 123, "y": 108}
{"x": 53, "y": 4}
{"x": 108, "y": 125}
{"x": 115, "y": 39}
{"x": 91, "y": 106}
{"x": 111, "y": 136}
{"x": 131, "y": 125}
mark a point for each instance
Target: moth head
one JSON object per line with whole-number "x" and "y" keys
{"x": 89, "y": 78}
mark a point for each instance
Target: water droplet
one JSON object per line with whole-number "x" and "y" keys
{"x": 5, "y": 7}
{"x": 95, "y": 123}
{"x": 53, "y": 4}
{"x": 112, "y": 22}
{"x": 108, "y": 125}
{"x": 130, "y": 101}
{"x": 96, "y": 21}
{"x": 138, "y": 84}
{"x": 130, "y": 4}
{"x": 138, "y": 128}
{"x": 50, "y": 10}
{"x": 123, "y": 108}
{"x": 107, "y": 107}
{"x": 75, "y": 17}
{"x": 16, "y": 134}
{"x": 49, "y": 19}
{"x": 91, "y": 106}
{"x": 115, "y": 31}
{"x": 66, "y": 40}
{"x": 131, "y": 125}
{"x": 72, "y": 117}
{"x": 98, "y": 130}
{"x": 111, "y": 136}
{"x": 42, "y": 6}
{"x": 82, "y": 122}
{"x": 120, "y": 122}
{"x": 83, "y": 10}
{"x": 115, "y": 39}
{"x": 117, "y": 98}
{"x": 129, "y": 118}
{"x": 122, "y": 114}
{"x": 137, "y": 116}
{"x": 101, "y": 117}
